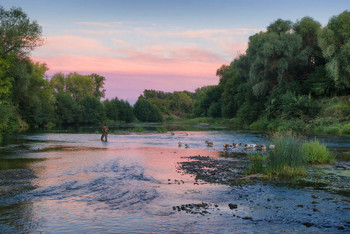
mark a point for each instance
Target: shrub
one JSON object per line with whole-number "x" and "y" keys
{"x": 295, "y": 125}
{"x": 346, "y": 129}
{"x": 314, "y": 152}
{"x": 260, "y": 124}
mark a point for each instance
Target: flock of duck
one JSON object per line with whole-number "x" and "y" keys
{"x": 235, "y": 145}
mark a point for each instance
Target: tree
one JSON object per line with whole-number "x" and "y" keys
{"x": 99, "y": 82}
{"x": 18, "y": 34}
{"x": 66, "y": 110}
{"x": 36, "y": 100}
{"x": 79, "y": 86}
{"x": 58, "y": 83}
{"x": 146, "y": 111}
{"x": 90, "y": 110}
{"x": 334, "y": 41}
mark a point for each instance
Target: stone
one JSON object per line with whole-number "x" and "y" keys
{"x": 232, "y": 206}
{"x": 308, "y": 224}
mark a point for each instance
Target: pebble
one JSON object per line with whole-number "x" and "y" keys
{"x": 307, "y": 224}
{"x": 232, "y": 206}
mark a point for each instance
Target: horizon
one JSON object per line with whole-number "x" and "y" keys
{"x": 160, "y": 45}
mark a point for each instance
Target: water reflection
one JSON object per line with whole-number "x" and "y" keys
{"x": 131, "y": 183}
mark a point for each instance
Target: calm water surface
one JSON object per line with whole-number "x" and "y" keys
{"x": 130, "y": 184}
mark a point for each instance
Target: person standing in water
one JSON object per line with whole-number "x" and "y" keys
{"x": 105, "y": 131}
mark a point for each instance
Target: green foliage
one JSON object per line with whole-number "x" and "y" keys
{"x": 334, "y": 40}
{"x": 257, "y": 163}
{"x": 314, "y": 152}
{"x": 66, "y": 110}
{"x": 118, "y": 110}
{"x": 90, "y": 110}
{"x": 146, "y": 111}
{"x": 8, "y": 118}
{"x": 346, "y": 129}
{"x": 35, "y": 101}
{"x": 286, "y": 159}
{"x": 18, "y": 34}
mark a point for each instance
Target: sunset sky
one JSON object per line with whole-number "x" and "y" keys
{"x": 154, "y": 44}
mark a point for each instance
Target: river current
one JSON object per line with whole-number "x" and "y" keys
{"x": 65, "y": 182}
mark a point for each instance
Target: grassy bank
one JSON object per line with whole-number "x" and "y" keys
{"x": 333, "y": 118}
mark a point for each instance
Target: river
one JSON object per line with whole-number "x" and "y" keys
{"x": 71, "y": 182}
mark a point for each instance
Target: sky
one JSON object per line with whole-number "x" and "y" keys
{"x": 168, "y": 45}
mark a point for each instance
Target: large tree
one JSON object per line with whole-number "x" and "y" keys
{"x": 334, "y": 41}
{"x": 18, "y": 34}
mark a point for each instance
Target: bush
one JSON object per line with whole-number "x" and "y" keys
{"x": 314, "y": 152}
{"x": 260, "y": 124}
{"x": 295, "y": 125}
{"x": 286, "y": 159}
{"x": 346, "y": 129}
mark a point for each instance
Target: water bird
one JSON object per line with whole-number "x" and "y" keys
{"x": 209, "y": 143}
{"x": 179, "y": 144}
{"x": 263, "y": 147}
{"x": 250, "y": 146}
{"x": 272, "y": 147}
{"x": 187, "y": 146}
{"x": 227, "y": 146}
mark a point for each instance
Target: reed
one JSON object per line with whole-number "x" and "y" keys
{"x": 286, "y": 159}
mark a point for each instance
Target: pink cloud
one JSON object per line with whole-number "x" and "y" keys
{"x": 136, "y": 63}
{"x": 68, "y": 44}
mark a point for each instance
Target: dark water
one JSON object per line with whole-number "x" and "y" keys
{"x": 76, "y": 183}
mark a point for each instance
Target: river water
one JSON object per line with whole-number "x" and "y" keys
{"x": 66, "y": 182}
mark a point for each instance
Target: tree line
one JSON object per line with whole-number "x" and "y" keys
{"x": 285, "y": 75}
{"x": 28, "y": 98}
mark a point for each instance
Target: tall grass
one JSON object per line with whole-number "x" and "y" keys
{"x": 314, "y": 152}
{"x": 286, "y": 159}
{"x": 257, "y": 162}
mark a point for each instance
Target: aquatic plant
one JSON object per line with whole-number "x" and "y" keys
{"x": 314, "y": 152}
{"x": 257, "y": 162}
{"x": 286, "y": 159}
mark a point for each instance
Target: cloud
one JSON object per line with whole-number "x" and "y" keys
{"x": 69, "y": 44}
{"x": 105, "y": 24}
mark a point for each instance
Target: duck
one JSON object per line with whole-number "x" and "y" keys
{"x": 226, "y": 146}
{"x": 187, "y": 146}
{"x": 179, "y": 144}
{"x": 272, "y": 147}
{"x": 263, "y": 147}
{"x": 234, "y": 145}
{"x": 250, "y": 146}
{"x": 209, "y": 143}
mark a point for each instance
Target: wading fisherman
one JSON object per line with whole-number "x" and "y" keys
{"x": 104, "y": 133}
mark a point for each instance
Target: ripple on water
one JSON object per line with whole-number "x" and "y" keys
{"x": 117, "y": 186}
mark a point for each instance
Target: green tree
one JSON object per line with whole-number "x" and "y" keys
{"x": 79, "y": 86}
{"x": 90, "y": 110}
{"x": 36, "y": 101}
{"x": 334, "y": 41}
{"x": 18, "y": 34}
{"x": 99, "y": 85}
{"x": 146, "y": 111}
{"x": 66, "y": 110}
